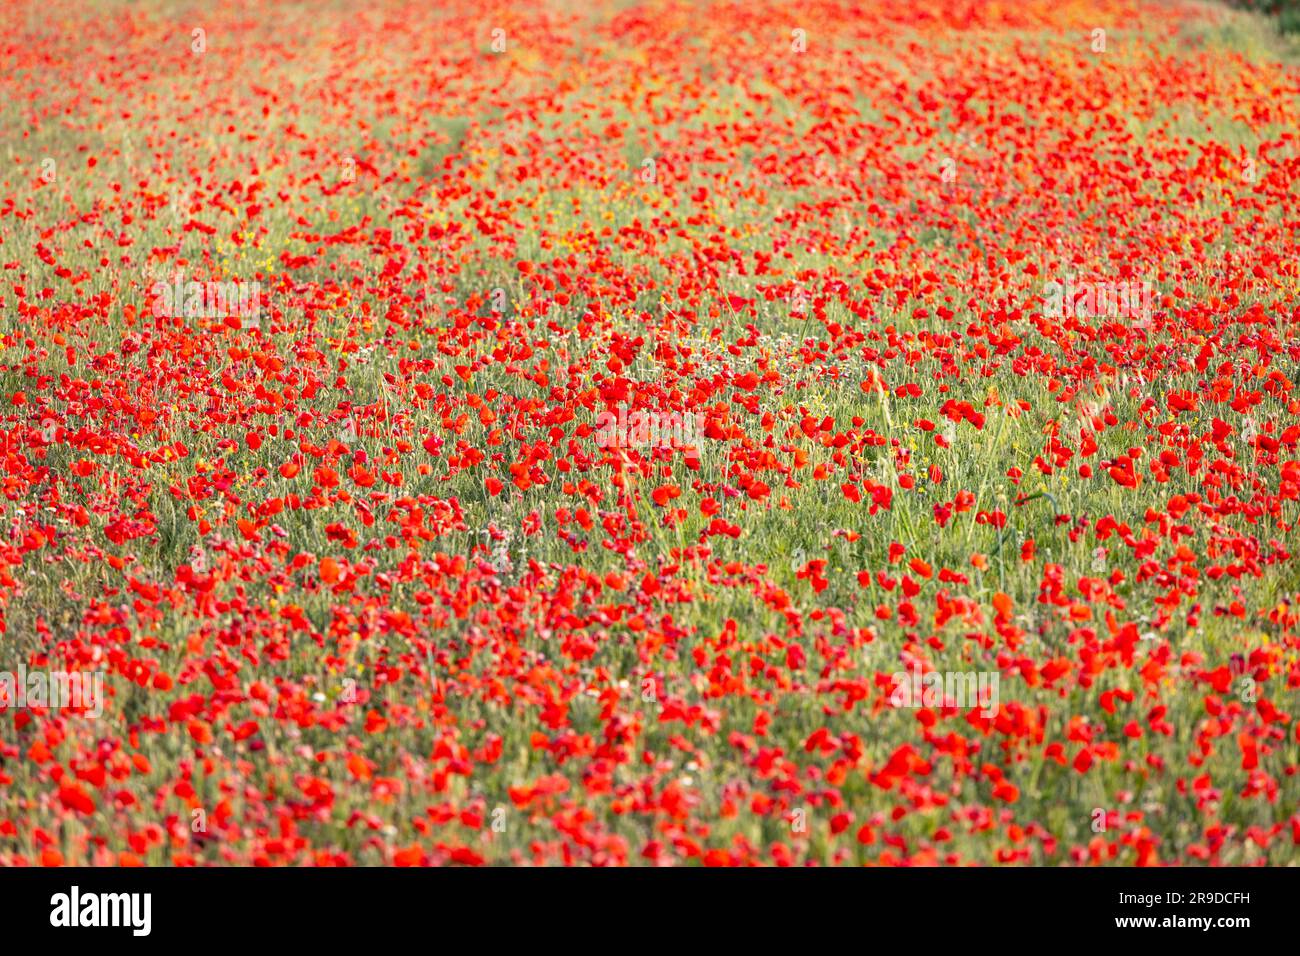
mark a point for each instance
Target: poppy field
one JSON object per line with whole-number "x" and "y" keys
{"x": 649, "y": 433}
